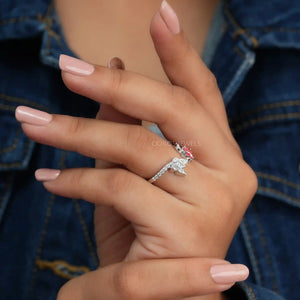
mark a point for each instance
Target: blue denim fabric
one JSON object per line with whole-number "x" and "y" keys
{"x": 46, "y": 240}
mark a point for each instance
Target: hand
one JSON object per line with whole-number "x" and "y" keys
{"x": 176, "y": 217}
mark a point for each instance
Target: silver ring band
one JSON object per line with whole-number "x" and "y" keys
{"x": 177, "y": 165}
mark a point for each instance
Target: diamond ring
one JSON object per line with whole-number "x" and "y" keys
{"x": 176, "y": 165}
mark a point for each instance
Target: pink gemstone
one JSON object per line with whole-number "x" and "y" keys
{"x": 188, "y": 152}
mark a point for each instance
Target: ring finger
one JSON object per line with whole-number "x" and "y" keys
{"x": 137, "y": 148}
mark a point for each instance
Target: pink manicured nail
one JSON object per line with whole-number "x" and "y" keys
{"x": 75, "y": 66}
{"x": 169, "y": 15}
{"x": 116, "y": 63}
{"x": 32, "y": 116}
{"x": 230, "y": 273}
{"x": 46, "y": 174}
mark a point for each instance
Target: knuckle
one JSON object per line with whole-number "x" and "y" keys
{"x": 244, "y": 183}
{"x": 119, "y": 182}
{"x": 186, "y": 277}
{"x": 138, "y": 136}
{"x": 76, "y": 125}
{"x": 211, "y": 81}
{"x": 78, "y": 178}
{"x": 76, "y": 183}
{"x": 180, "y": 54}
{"x": 180, "y": 101}
{"x": 251, "y": 181}
{"x": 115, "y": 83}
{"x": 127, "y": 282}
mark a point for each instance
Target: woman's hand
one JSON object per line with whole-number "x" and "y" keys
{"x": 192, "y": 216}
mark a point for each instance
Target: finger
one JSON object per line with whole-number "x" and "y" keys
{"x": 107, "y": 221}
{"x": 114, "y": 142}
{"x": 127, "y": 193}
{"x": 108, "y": 113}
{"x": 143, "y": 280}
{"x": 174, "y": 109}
{"x": 135, "y": 147}
{"x": 184, "y": 66}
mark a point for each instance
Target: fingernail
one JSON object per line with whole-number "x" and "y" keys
{"x": 116, "y": 63}
{"x": 169, "y": 16}
{"x": 32, "y": 116}
{"x": 230, "y": 273}
{"x": 46, "y": 174}
{"x": 75, "y": 66}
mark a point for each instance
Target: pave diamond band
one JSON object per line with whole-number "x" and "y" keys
{"x": 176, "y": 165}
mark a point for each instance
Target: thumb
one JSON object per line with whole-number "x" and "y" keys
{"x": 183, "y": 65}
{"x": 155, "y": 279}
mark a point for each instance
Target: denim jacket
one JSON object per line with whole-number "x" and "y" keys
{"x": 46, "y": 239}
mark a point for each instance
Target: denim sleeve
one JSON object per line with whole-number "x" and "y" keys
{"x": 250, "y": 291}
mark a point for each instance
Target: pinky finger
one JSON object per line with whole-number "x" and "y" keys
{"x": 132, "y": 196}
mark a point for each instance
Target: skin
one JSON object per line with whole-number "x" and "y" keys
{"x": 98, "y": 30}
{"x": 180, "y": 221}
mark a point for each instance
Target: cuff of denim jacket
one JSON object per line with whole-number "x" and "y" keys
{"x": 250, "y": 291}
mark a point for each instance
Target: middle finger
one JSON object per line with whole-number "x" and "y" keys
{"x": 174, "y": 109}
{"x": 137, "y": 148}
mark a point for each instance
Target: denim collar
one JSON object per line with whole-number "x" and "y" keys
{"x": 248, "y": 25}
{"x": 26, "y": 19}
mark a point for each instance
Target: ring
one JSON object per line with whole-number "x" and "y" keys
{"x": 184, "y": 152}
{"x": 176, "y": 165}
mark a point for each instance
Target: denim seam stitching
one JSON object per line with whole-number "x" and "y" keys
{"x": 17, "y": 164}
{"x": 278, "y": 179}
{"x": 85, "y": 231}
{"x": 12, "y": 108}
{"x": 61, "y": 164}
{"x": 44, "y": 20}
{"x": 258, "y": 109}
{"x": 42, "y": 238}
{"x": 249, "y": 291}
{"x": 239, "y": 30}
{"x": 270, "y": 29}
{"x": 246, "y": 30}
{"x": 14, "y": 145}
{"x": 51, "y": 33}
{"x": 38, "y": 17}
{"x": 279, "y": 193}
{"x": 7, "y": 107}
{"x": 52, "y": 265}
{"x": 255, "y": 121}
{"x": 265, "y": 247}
{"x": 251, "y": 251}
{"x": 22, "y": 101}
{"x": 49, "y": 22}
{"x": 239, "y": 52}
